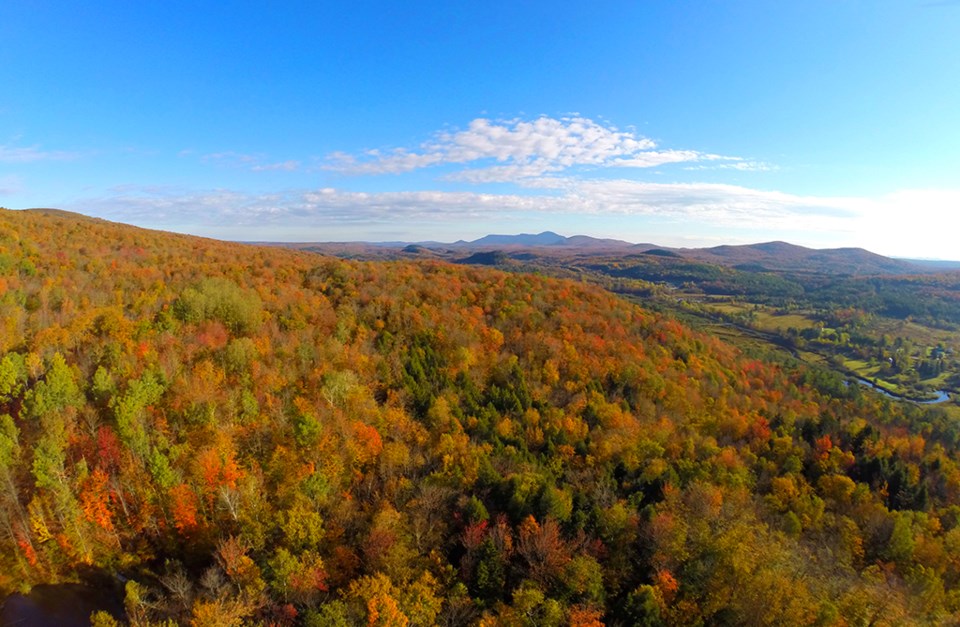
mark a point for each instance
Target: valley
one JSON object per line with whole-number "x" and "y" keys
{"x": 500, "y": 314}
{"x": 238, "y": 434}
{"x": 888, "y": 323}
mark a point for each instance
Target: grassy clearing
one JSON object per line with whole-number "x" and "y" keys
{"x": 781, "y": 322}
{"x": 856, "y": 364}
{"x": 730, "y": 308}
{"x": 812, "y": 358}
{"x": 913, "y": 331}
{"x": 764, "y": 318}
{"x": 889, "y": 386}
{"x": 939, "y": 381}
{"x": 737, "y": 337}
{"x": 861, "y": 368}
{"x": 766, "y": 323}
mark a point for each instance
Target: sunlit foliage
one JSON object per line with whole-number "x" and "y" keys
{"x": 257, "y": 434}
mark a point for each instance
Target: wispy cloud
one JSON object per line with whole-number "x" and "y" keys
{"x": 701, "y": 210}
{"x": 722, "y": 205}
{"x": 743, "y": 165}
{"x": 230, "y": 158}
{"x": 285, "y": 166}
{"x": 562, "y": 169}
{"x": 252, "y": 162}
{"x": 513, "y": 150}
{"x": 725, "y": 205}
{"x": 498, "y": 151}
{"x": 27, "y": 154}
{"x": 174, "y": 207}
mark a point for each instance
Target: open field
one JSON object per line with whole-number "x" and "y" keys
{"x": 884, "y": 351}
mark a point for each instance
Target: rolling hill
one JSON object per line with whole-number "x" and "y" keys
{"x": 545, "y": 239}
{"x": 765, "y": 257}
{"x": 260, "y": 434}
{"x": 782, "y": 256}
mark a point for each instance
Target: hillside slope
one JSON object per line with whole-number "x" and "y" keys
{"x": 789, "y": 257}
{"x": 262, "y": 434}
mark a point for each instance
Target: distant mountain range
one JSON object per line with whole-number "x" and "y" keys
{"x": 784, "y": 256}
{"x": 495, "y": 249}
{"x": 547, "y": 238}
{"x": 767, "y": 255}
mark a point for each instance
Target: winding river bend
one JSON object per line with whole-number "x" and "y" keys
{"x": 941, "y": 396}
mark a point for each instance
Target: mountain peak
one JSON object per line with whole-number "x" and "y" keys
{"x": 546, "y": 238}
{"x": 785, "y": 256}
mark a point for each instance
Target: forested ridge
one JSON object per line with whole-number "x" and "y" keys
{"x": 259, "y": 435}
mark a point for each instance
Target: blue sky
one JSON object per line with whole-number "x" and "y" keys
{"x": 823, "y": 123}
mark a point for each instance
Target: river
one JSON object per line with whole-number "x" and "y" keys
{"x": 941, "y": 396}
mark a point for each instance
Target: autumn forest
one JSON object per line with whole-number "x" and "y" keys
{"x": 234, "y": 435}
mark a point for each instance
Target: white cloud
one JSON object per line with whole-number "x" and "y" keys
{"x": 723, "y": 206}
{"x": 171, "y": 207}
{"x": 735, "y": 163}
{"x": 916, "y": 223}
{"x": 558, "y": 167}
{"x": 627, "y": 196}
{"x": 252, "y": 162}
{"x": 30, "y": 154}
{"x": 518, "y": 149}
{"x": 654, "y": 158}
{"x": 499, "y": 173}
{"x": 231, "y": 158}
{"x": 227, "y": 155}
{"x": 285, "y": 166}
{"x": 373, "y": 162}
